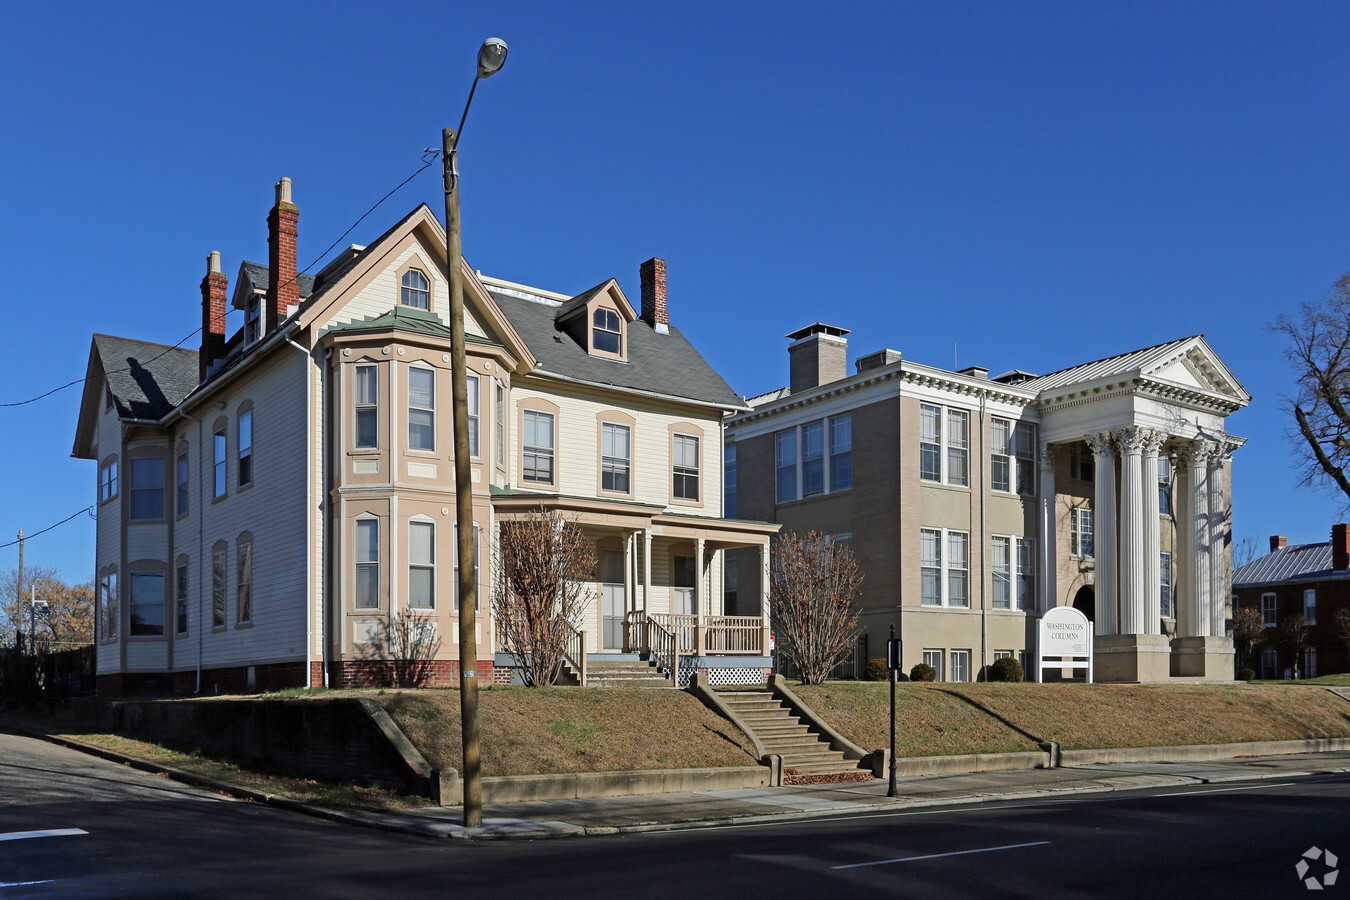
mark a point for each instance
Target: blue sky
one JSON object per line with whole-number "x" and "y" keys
{"x": 1015, "y": 185}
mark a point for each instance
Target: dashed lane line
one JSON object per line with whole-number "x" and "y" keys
{"x": 886, "y": 862}
{"x": 53, "y": 832}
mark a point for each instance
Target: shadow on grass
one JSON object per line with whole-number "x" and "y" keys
{"x": 993, "y": 715}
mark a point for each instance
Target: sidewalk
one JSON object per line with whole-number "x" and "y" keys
{"x": 558, "y": 818}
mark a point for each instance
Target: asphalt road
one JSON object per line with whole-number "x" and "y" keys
{"x": 121, "y": 833}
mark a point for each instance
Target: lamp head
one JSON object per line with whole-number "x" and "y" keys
{"x": 491, "y": 56}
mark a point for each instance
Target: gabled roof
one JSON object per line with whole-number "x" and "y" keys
{"x": 147, "y": 380}
{"x": 402, "y": 318}
{"x": 258, "y": 274}
{"x": 662, "y": 364}
{"x": 1297, "y": 562}
{"x": 580, "y": 301}
{"x": 1192, "y": 353}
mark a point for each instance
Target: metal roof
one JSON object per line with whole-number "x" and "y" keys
{"x": 1297, "y": 562}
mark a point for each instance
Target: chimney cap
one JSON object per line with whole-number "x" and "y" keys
{"x": 283, "y": 190}
{"x": 213, "y": 262}
{"x": 817, "y": 328}
{"x": 974, "y": 372}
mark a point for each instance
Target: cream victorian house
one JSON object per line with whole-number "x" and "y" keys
{"x": 272, "y": 505}
{"x": 974, "y": 504}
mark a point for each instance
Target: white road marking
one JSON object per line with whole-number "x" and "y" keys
{"x": 885, "y": 862}
{"x": 55, "y": 832}
{"x": 1254, "y": 787}
{"x": 5, "y": 884}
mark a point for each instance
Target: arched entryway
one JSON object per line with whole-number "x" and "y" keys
{"x": 1085, "y": 601}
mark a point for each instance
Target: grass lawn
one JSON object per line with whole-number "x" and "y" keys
{"x": 532, "y": 731}
{"x": 1341, "y": 680}
{"x": 985, "y": 718}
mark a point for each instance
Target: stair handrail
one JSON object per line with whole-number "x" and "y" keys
{"x": 574, "y": 652}
{"x": 699, "y": 688}
{"x": 665, "y": 646}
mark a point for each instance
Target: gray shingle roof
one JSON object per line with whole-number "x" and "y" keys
{"x": 258, "y": 274}
{"x": 665, "y": 364}
{"x": 1297, "y": 562}
{"x": 402, "y": 318}
{"x": 147, "y": 380}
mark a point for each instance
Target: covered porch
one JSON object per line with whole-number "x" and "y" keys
{"x": 659, "y": 591}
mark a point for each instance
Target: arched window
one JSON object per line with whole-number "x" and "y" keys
{"x": 606, "y": 331}
{"x": 416, "y": 292}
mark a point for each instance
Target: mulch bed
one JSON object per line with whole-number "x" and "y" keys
{"x": 792, "y": 776}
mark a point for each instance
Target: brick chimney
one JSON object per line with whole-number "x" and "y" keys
{"x": 282, "y": 229}
{"x": 1277, "y": 542}
{"x": 653, "y": 273}
{"x": 1340, "y": 547}
{"x": 213, "y": 316}
{"x": 817, "y": 355}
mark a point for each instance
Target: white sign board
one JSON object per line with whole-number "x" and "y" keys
{"x": 1063, "y": 636}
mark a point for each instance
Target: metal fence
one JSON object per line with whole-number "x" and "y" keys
{"x": 45, "y": 677}
{"x": 851, "y": 669}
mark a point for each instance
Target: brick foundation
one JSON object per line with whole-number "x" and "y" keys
{"x": 437, "y": 673}
{"x": 229, "y": 680}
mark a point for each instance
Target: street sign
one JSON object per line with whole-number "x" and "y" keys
{"x": 893, "y": 654}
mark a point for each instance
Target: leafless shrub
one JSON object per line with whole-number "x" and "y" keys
{"x": 545, "y": 565}
{"x": 404, "y": 650}
{"x": 813, "y": 591}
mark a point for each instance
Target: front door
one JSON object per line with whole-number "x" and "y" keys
{"x": 684, "y": 601}
{"x": 612, "y": 600}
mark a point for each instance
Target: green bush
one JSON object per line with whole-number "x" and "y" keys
{"x": 1246, "y": 673}
{"x": 876, "y": 670}
{"x": 923, "y": 672}
{"x": 1006, "y": 669}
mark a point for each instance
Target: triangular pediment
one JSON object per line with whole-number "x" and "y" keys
{"x": 1195, "y": 365}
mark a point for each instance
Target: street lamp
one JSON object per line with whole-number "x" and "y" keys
{"x": 491, "y": 56}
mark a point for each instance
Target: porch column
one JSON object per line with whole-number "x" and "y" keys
{"x": 1131, "y": 594}
{"x": 701, "y": 589}
{"x": 1048, "y": 558}
{"x": 646, "y": 572}
{"x": 765, "y": 612}
{"x": 1104, "y": 526}
{"x": 1194, "y": 537}
{"x": 1153, "y": 442}
{"x": 1218, "y": 532}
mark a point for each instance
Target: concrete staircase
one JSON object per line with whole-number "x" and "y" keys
{"x": 780, "y": 731}
{"x": 628, "y": 673}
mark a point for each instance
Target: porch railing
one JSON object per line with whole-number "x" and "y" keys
{"x": 724, "y": 635}
{"x": 665, "y": 647}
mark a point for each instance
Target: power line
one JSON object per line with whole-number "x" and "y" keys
{"x": 29, "y": 537}
{"x": 429, "y": 156}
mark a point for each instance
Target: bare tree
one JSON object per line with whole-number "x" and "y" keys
{"x": 404, "y": 650}
{"x": 814, "y": 587}
{"x": 1291, "y": 636}
{"x": 1247, "y": 631}
{"x": 545, "y": 565}
{"x": 1244, "y": 551}
{"x": 1320, "y": 353}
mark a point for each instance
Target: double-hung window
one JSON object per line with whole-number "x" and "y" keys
{"x": 1002, "y": 565}
{"x": 958, "y": 447}
{"x": 422, "y": 565}
{"x": 246, "y": 448}
{"x": 785, "y": 455}
{"x": 606, "y": 334}
{"x": 422, "y": 409}
{"x": 1164, "y": 486}
{"x": 1165, "y": 584}
{"x": 729, "y": 481}
{"x": 414, "y": 291}
{"x": 107, "y": 480}
{"x": 252, "y": 319}
{"x": 147, "y": 603}
{"x": 243, "y": 585}
{"x": 1268, "y": 619}
{"x": 111, "y": 601}
{"x": 367, "y": 563}
{"x": 219, "y": 560}
{"x": 180, "y": 597}
{"x": 218, "y": 461}
{"x": 944, "y": 567}
{"x": 801, "y": 455}
{"x": 537, "y": 444}
{"x": 472, "y": 386}
{"x": 1310, "y": 607}
{"x": 813, "y": 458}
{"x": 1012, "y": 456}
{"x": 182, "y": 481}
{"x": 930, "y": 442}
{"x": 841, "y": 453}
{"x": 616, "y": 457}
{"x": 475, "y": 563}
{"x": 501, "y": 423}
{"x": 934, "y": 659}
{"x": 944, "y": 445}
{"x": 1026, "y": 574}
{"x": 367, "y": 407}
{"x": 147, "y": 492}
{"x": 1080, "y": 531}
{"x": 685, "y": 457}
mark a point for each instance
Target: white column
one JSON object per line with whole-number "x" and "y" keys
{"x": 1104, "y": 528}
{"x": 1131, "y": 578}
{"x": 647, "y": 571}
{"x": 1152, "y": 545}
{"x": 1194, "y": 537}
{"x": 629, "y": 582}
{"x": 1218, "y": 532}
{"x": 764, "y": 574}
{"x": 1047, "y": 557}
{"x": 702, "y": 605}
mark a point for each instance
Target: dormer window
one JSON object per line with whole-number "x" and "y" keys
{"x": 416, "y": 291}
{"x": 606, "y": 332}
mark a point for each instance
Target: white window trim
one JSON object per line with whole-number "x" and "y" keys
{"x": 1015, "y": 572}
{"x": 357, "y": 406}
{"x": 695, "y": 471}
{"x": 933, "y": 655}
{"x": 945, "y": 569}
{"x": 430, "y": 409}
{"x": 1274, "y": 611}
{"x": 1015, "y": 486}
{"x": 429, "y": 565}
{"x": 944, "y": 444}
{"x": 953, "y": 655}
{"x": 1307, "y": 619}
{"x": 1075, "y": 535}
{"x": 827, "y": 454}
{"x": 376, "y": 563}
